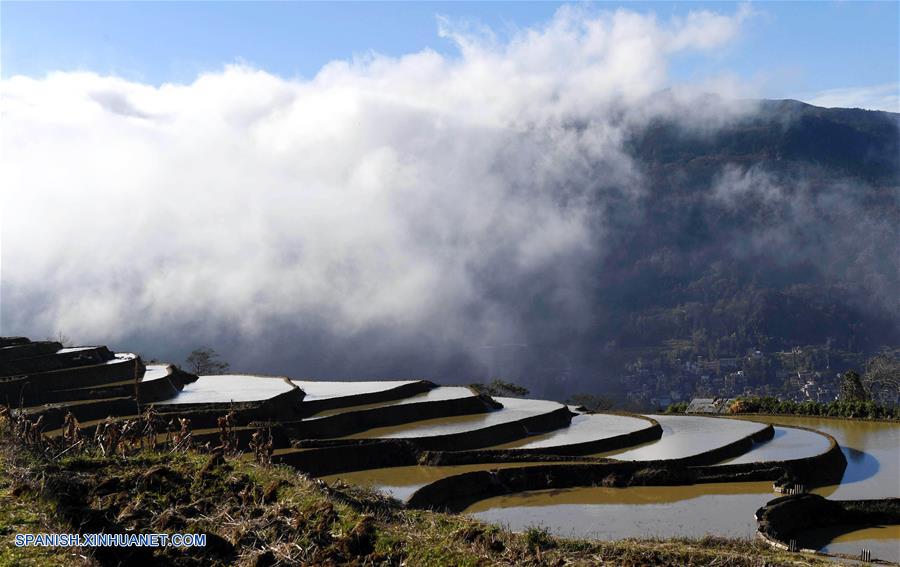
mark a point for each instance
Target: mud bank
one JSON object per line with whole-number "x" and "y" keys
{"x": 317, "y": 405}
{"x": 333, "y": 456}
{"x": 456, "y": 493}
{"x": 456, "y": 456}
{"x": 783, "y": 518}
{"x": 38, "y": 388}
{"x": 63, "y": 358}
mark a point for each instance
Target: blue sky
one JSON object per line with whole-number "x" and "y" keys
{"x": 786, "y": 49}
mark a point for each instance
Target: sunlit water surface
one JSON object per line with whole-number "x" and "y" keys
{"x": 513, "y": 409}
{"x": 873, "y": 471}
{"x": 583, "y": 428}
{"x": 685, "y": 436}
{"x": 230, "y": 388}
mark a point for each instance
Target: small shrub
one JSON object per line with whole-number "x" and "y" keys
{"x": 539, "y": 538}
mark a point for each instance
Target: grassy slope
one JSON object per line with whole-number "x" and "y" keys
{"x": 22, "y": 511}
{"x": 268, "y": 515}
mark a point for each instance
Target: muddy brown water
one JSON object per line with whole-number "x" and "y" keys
{"x": 872, "y": 449}
{"x": 639, "y": 511}
{"x": 401, "y": 482}
{"x": 882, "y": 541}
{"x": 873, "y": 471}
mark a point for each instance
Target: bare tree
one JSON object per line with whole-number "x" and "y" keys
{"x": 204, "y": 361}
{"x": 852, "y": 389}
{"x": 500, "y": 388}
{"x": 61, "y": 338}
{"x": 882, "y": 378}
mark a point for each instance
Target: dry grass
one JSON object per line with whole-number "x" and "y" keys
{"x": 271, "y": 515}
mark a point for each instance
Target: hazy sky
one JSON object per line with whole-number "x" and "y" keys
{"x": 829, "y": 53}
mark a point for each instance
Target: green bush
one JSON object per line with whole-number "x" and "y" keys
{"x": 679, "y": 407}
{"x": 539, "y": 538}
{"x": 837, "y": 408}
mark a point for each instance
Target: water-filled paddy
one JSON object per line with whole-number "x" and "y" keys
{"x": 882, "y": 541}
{"x": 787, "y": 444}
{"x": 872, "y": 450}
{"x": 401, "y": 482}
{"x": 514, "y": 409}
{"x": 153, "y": 372}
{"x": 230, "y": 388}
{"x": 873, "y": 471}
{"x": 156, "y": 371}
{"x": 69, "y": 350}
{"x": 436, "y": 395}
{"x": 320, "y": 390}
{"x": 583, "y": 428}
{"x": 685, "y": 436}
{"x": 724, "y": 509}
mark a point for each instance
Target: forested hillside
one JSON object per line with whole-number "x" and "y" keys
{"x": 779, "y": 230}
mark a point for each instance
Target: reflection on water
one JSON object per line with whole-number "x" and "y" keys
{"x": 401, "y": 482}
{"x": 322, "y": 389}
{"x": 788, "y": 443}
{"x": 724, "y": 509}
{"x": 860, "y": 466}
{"x": 873, "y": 471}
{"x": 872, "y": 450}
{"x": 513, "y": 409}
{"x": 855, "y": 456}
{"x": 883, "y": 541}
{"x": 230, "y": 388}
{"x": 583, "y": 428}
{"x": 684, "y": 436}
{"x": 436, "y": 395}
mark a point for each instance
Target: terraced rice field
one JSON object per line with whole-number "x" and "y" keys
{"x": 517, "y": 462}
{"x": 402, "y": 482}
{"x": 436, "y": 395}
{"x": 318, "y": 390}
{"x": 789, "y": 443}
{"x": 686, "y": 436}
{"x": 230, "y": 388}
{"x": 584, "y": 428}
{"x": 513, "y": 410}
{"x": 724, "y": 509}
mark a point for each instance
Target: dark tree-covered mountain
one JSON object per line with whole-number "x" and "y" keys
{"x": 779, "y": 230}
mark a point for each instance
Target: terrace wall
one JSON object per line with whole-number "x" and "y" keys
{"x": 350, "y": 422}
{"x": 55, "y": 361}
{"x": 312, "y": 407}
{"x": 782, "y": 518}
{"x": 455, "y": 493}
{"x": 27, "y": 350}
{"x": 453, "y": 456}
{"x": 31, "y": 389}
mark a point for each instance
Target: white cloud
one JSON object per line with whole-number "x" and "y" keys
{"x": 877, "y": 97}
{"x": 409, "y": 192}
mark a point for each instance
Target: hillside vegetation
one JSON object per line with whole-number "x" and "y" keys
{"x": 774, "y": 232}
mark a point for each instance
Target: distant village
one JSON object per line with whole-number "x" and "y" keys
{"x": 801, "y": 374}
